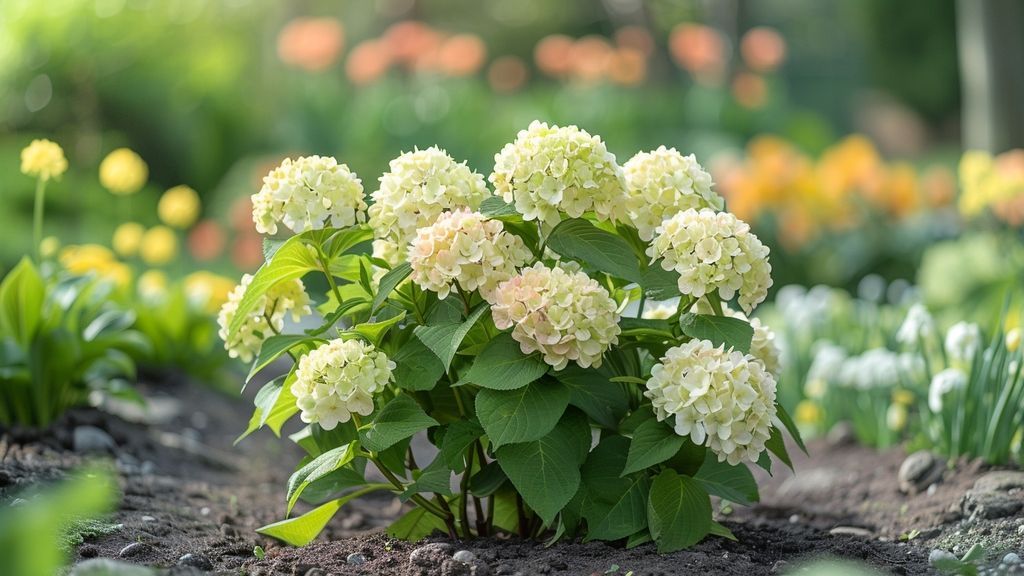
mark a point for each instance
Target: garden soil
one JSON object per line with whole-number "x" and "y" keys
{"x": 191, "y": 501}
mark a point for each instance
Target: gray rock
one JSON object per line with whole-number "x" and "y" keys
{"x": 850, "y": 531}
{"x": 1011, "y": 558}
{"x": 452, "y": 567}
{"x": 90, "y": 439}
{"x": 807, "y": 483}
{"x": 995, "y": 495}
{"x": 134, "y": 549}
{"x": 465, "y": 556}
{"x": 108, "y": 567}
{"x": 1000, "y": 481}
{"x": 428, "y": 560}
{"x": 939, "y": 557}
{"x": 356, "y": 559}
{"x": 196, "y": 561}
{"x": 919, "y": 471}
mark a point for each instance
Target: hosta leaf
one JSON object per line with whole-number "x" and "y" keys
{"x": 444, "y": 339}
{"x": 503, "y": 366}
{"x": 580, "y": 240}
{"x": 720, "y": 330}
{"x": 318, "y": 468}
{"x": 653, "y": 443}
{"x": 732, "y": 483}
{"x": 678, "y": 511}
{"x": 397, "y": 420}
{"x": 520, "y": 415}
{"x": 389, "y": 282}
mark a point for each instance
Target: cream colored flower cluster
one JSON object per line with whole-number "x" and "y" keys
{"x": 564, "y": 315}
{"x": 714, "y": 252}
{"x": 308, "y": 193}
{"x": 466, "y": 248}
{"x": 419, "y": 186}
{"x": 339, "y": 379}
{"x": 548, "y": 170}
{"x": 762, "y": 346}
{"x": 720, "y": 398}
{"x": 663, "y": 182}
{"x": 265, "y": 319}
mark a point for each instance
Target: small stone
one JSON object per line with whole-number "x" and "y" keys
{"x": 1020, "y": 530}
{"x": 938, "y": 557}
{"x": 356, "y": 559}
{"x": 1000, "y": 481}
{"x": 465, "y": 556}
{"x": 850, "y": 531}
{"x": 918, "y": 471}
{"x": 794, "y": 518}
{"x": 204, "y": 511}
{"x": 452, "y": 567}
{"x": 90, "y": 439}
{"x": 148, "y": 519}
{"x": 195, "y": 561}
{"x": 429, "y": 558}
{"x": 1011, "y": 558}
{"x": 134, "y": 549}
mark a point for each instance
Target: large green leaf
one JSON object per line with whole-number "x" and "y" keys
{"x": 275, "y": 404}
{"x": 523, "y": 414}
{"x": 389, "y": 282}
{"x": 302, "y": 530}
{"x": 720, "y": 330}
{"x": 292, "y": 260}
{"x": 458, "y": 437}
{"x": 444, "y": 339}
{"x": 436, "y": 478}
{"x": 21, "y": 302}
{"x": 653, "y": 443}
{"x": 503, "y": 366}
{"x": 776, "y": 444}
{"x": 319, "y": 467}
{"x": 375, "y": 331}
{"x": 615, "y": 506}
{"x": 273, "y": 347}
{"x": 397, "y": 420}
{"x": 678, "y": 511}
{"x": 591, "y": 390}
{"x": 546, "y": 471}
{"x": 732, "y": 483}
{"x": 416, "y": 525}
{"x": 580, "y": 240}
{"x": 416, "y": 366}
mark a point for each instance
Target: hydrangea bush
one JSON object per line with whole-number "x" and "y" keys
{"x": 565, "y": 343}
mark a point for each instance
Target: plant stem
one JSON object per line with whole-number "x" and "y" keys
{"x": 399, "y": 487}
{"x": 37, "y": 218}
{"x": 640, "y": 307}
{"x": 464, "y": 503}
{"x": 327, "y": 272}
{"x": 521, "y": 513}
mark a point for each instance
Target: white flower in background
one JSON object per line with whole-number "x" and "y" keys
{"x": 416, "y": 189}
{"x": 338, "y": 379}
{"x": 660, "y": 311}
{"x": 466, "y": 248}
{"x": 308, "y": 193}
{"x": 825, "y": 367}
{"x": 714, "y": 252}
{"x": 720, "y": 398}
{"x": 806, "y": 309}
{"x": 266, "y": 318}
{"x": 548, "y": 170}
{"x": 567, "y": 316}
{"x": 943, "y": 383}
{"x": 663, "y": 182}
{"x": 963, "y": 340}
{"x": 917, "y": 326}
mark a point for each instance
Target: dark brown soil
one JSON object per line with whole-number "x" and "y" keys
{"x": 187, "y": 490}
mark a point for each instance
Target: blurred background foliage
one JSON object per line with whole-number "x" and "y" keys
{"x": 213, "y": 93}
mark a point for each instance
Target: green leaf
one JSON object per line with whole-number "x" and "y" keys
{"x": 302, "y": 530}
{"x": 488, "y": 480}
{"x": 415, "y": 525}
{"x": 503, "y": 366}
{"x": 523, "y": 414}
{"x": 546, "y": 471}
{"x": 777, "y": 445}
{"x": 436, "y": 478}
{"x": 641, "y": 537}
{"x": 318, "y": 468}
{"x": 341, "y": 241}
{"x": 398, "y": 420}
{"x": 732, "y": 483}
{"x": 495, "y": 208}
{"x": 292, "y": 260}
{"x": 275, "y": 346}
{"x": 720, "y": 330}
{"x": 791, "y": 427}
{"x": 275, "y": 404}
{"x": 653, "y": 443}
{"x": 444, "y": 339}
{"x": 591, "y": 390}
{"x": 580, "y": 240}
{"x": 615, "y": 506}
{"x": 459, "y": 436}
{"x": 722, "y": 532}
{"x": 660, "y": 284}
{"x": 389, "y": 282}
{"x": 416, "y": 366}
{"x": 678, "y": 511}
{"x": 21, "y": 302}
{"x": 375, "y": 331}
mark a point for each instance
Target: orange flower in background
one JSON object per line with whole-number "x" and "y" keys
{"x": 763, "y": 49}
{"x": 700, "y": 50}
{"x": 410, "y": 42}
{"x": 206, "y": 241}
{"x": 313, "y": 44}
{"x": 628, "y": 67}
{"x": 553, "y": 55}
{"x": 901, "y": 191}
{"x": 462, "y": 55}
{"x": 635, "y": 38}
{"x": 750, "y": 90}
{"x": 247, "y": 251}
{"x": 589, "y": 58}
{"x": 507, "y": 74}
{"x": 240, "y": 215}
{"x": 367, "y": 62}
{"x": 939, "y": 186}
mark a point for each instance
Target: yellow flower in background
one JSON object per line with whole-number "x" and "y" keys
{"x": 808, "y": 413}
{"x": 152, "y": 285}
{"x": 159, "y": 246}
{"x": 896, "y": 417}
{"x": 1013, "y": 339}
{"x": 179, "y": 207}
{"x": 123, "y": 172}
{"x": 128, "y": 238}
{"x": 43, "y": 159}
{"x": 207, "y": 290}
{"x": 904, "y": 397}
{"x": 93, "y": 258}
{"x": 49, "y": 246}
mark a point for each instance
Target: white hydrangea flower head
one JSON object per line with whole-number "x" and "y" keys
{"x": 339, "y": 379}
{"x": 942, "y": 384}
{"x": 266, "y": 318}
{"x": 660, "y": 311}
{"x": 763, "y": 344}
{"x": 466, "y": 249}
{"x": 714, "y": 252}
{"x": 549, "y": 170}
{"x": 963, "y": 340}
{"x": 417, "y": 188}
{"x": 663, "y": 182}
{"x": 918, "y": 325}
{"x": 722, "y": 399}
{"x": 566, "y": 316}
{"x": 308, "y": 193}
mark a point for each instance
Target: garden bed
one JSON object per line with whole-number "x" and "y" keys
{"x": 187, "y": 491}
